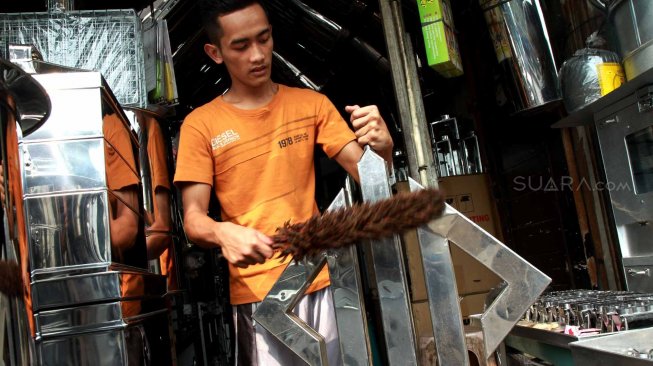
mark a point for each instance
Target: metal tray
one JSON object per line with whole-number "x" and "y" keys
{"x": 611, "y": 349}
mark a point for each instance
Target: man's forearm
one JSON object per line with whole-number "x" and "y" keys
{"x": 202, "y": 230}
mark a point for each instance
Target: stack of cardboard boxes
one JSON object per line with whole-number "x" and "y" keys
{"x": 440, "y": 43}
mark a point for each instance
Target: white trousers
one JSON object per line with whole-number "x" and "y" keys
{"x": 255, "y": 346}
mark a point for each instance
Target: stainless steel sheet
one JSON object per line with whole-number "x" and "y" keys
{"x": 389, "y": 269}
{"x": 81, "y": 289}
{"x": 443, "y": 295}
{"x": 67, "y": 231}
{"x": 523, "y": 282}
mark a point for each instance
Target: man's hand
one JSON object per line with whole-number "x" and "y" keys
{"x": 370, "y": 129}
{"x": 243, "y": 246}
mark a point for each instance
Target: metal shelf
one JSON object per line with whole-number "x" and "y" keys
{"x": 585, "y": 116}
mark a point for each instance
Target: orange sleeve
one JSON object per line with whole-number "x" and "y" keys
{"x": 332, "y": 132}
{"x": 120, "y": 163}
{"x": 194, "y": 157}
{"x": 156, "y": 151}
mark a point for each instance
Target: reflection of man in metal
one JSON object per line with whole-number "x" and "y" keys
{"x": 122, "y": 181}
{"x": 254, "y": 147}
{"x": 14, "y": 206}
{"x": 158, "y": 234}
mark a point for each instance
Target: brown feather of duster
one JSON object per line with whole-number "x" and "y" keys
{"x": 347, "y": 226}
{"x": 11, "y": 282}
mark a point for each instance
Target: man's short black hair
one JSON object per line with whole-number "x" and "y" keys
{"x": 211, "y": 9}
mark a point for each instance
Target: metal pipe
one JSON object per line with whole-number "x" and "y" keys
{"x": 408, "y": 95}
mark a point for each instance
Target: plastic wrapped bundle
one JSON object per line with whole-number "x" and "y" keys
{"x": 588, "y": 75}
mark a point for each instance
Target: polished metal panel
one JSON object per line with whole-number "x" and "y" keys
{"x": 97, "y": 317}
{"x": 624, "y": 348}
{"x": 23, "y": 55}
{"x": 143, "y": 341}
{"x": 389, "y": 270}
{"x": 68, "y": 231}
{"x": 639, "y": 61}
{"x": 141, "y": 130}
{"x": 276, "y": 316}
{"x": 76, "y": 105}
{"x": 521, "y": 40}
{"x": 75, "y": 290}
{"x": 523, "y": 282}
{"x": 346, "y": 288}
{"x": 63, "y": 166}
{"x": 154, "y": 160}
{"x": 625, "y": 137}
{"x": 81, "y": 289}
{"x": 275, "y": 312}
{"x": 443, "y": 295}
{"x": 639, "y": 277}
{"x": 633, "y": 30}
{"x": 24, "y": 107}
{"x": 103, "y": 348}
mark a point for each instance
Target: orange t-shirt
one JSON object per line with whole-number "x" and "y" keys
{"x": 260, "y": 164}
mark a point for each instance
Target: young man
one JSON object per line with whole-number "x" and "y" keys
{"x": 253, "y": 146}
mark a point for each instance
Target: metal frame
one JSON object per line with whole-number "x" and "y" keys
{"x": 523, "y": 283}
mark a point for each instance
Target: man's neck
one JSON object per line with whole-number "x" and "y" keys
{"x": 251, "y": 98}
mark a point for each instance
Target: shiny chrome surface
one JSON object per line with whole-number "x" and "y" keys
{"x": 523, "y": 282}
{"x": 346, "y": 287}
{"x": 275, "y": 312}
{"x": 68, "y": 231}
{"x": 519, "y": 33}
{"x": 614, "y": 349}
{"x": 276, "y": 316}
{"x": 99, "y": 317}
{"x": 443, "y": 295}
{"x": 103, "y": 348}
{"x": 24, "y": 106}
{"x": 633, "y": 30}
{"x": 23, "y": 55}
{"x": 142, "y": 342}
{"x": 75, "y": 290}
{"x": 32, "y": 103}
{"x": 389, "y": 269}
{"x": 141, "y": 130}
{"x": 80, "y": 176}
{"x": 95, "y": 317}
{"x": 63, "y": 166}
{"x": 154, "y": 161}
{"x": 631, "y": 20}
{"x": 639, "y": 61}
{"x": 76, "y": 109}
{"x": 626, "y": 140}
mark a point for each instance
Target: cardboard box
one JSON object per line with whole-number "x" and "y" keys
{"x": 472, "y": 304}
{"x": 422, "y": 319}
{"x": 470, "y": 194}
{"x": 415, "y": 268}
{"x": 439, "y": 37}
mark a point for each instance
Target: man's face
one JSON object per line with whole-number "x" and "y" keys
{"x": 245, "y": 46}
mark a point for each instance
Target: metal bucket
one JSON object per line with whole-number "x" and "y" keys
{"x": 521, "y": 43}
{"x": 632, "y": 27}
